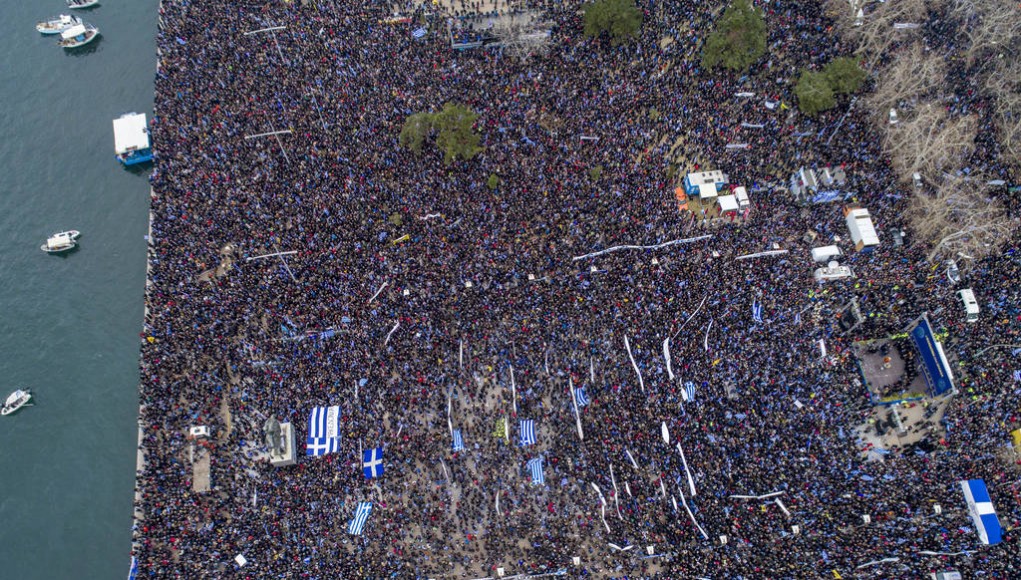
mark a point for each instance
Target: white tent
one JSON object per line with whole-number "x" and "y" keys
{"x": 130, "y": 133}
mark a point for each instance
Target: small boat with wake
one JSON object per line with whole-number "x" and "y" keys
{"x": 78, "y": 4}
{"x": 58, "y": 24}
{"x": 15, "y": 401}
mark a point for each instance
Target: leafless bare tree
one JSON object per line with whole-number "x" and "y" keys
{"x": 877, "y": 34}
{"x": 522, "y": 36}
{"x": 1004, "y": 86}
{"x": 915, "y": 75}
{"x": 959, "y": 219}
{"x": 989, "y": 27}
{"x": 930, "y": 142}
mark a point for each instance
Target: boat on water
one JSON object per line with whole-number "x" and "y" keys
{"x": 16, "y": 401}
{"x": 131, "y": 139}
{"x": 78, "y": 35}
{"x": 61, "y": 242}
{"x": 82, "y": 3}
{"x": 58, "y": 24}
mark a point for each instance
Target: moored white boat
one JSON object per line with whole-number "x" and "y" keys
{"x": 61, "y": 242}
{"x": 58, "y": 24}
{"x": 16, "y": 401}
{"x": 82, "y": 3}
{"x": 78, "y": 35}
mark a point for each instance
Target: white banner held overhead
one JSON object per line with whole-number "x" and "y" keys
{"x": 691, "y": 482}
{"x": 632, "y": 459}
{"x": 627, "y": 345}
{"x": 666, "y": 355}
{"x": 514, "y": 391}
{"x": 656, "y": 247}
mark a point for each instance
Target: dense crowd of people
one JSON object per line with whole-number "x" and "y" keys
{"x": 409, "y": 336}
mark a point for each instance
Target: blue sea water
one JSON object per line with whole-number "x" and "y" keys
{"x": 70, "y": 325}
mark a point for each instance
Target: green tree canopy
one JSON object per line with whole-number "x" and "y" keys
{"x": 456, "y": 136}
{"x": 814, "y": 93}
{"x": 739, "y": 39}
{"x": 844, "y": 75}
{"x": 454, "y": 127}
{"x": 619, "y": 18}
{"x": 416, "y": 128}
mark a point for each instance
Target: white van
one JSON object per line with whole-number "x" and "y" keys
{"x": 970, "y": 304}
{"x": 825, "y": 253}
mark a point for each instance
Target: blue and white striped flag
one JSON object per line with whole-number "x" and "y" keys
{"x": 757, "y": 311}
{"x": 689, "y": 391}
{"x": 797, "y": 319}
{"x": 323, "y": 431}
{"x": 527, "y": 432}
{"x": 458, "y": 442}
{"x": 580, "y": 397}
{"x": 1017, "y": 376}
{"x": 535, "y": 466}
{"x": 357, "y": 524}
{"x": 418, "y": 32}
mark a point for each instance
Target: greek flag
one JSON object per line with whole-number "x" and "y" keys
{"x": 757, "y": 311}
{"x": 357, "y": 524}
{"x": 527, "y": 432}
{"x": 535, "y": 466}
{"x": 458, "y": 442}
{"x": 1017, "y": 375}
{"x": 323, "y": 431}
{"x": 981, "y": 510}
{"x": 372, "y": 462}
{"x": 689, "y": 391}
{"x": 418, "y": 32}
{"x": 580, "y": 397}
{"x": 797, "y": 318}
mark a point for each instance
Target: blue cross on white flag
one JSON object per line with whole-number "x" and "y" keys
{"x": 372, "y": 462}
{"x": 535, "y": 466}
{"x": 458, "y": 442}
{"x": 323, "y": 431}
{"x": 361, "y": 516}
{"x": 689, "y": 391}
{"x": 757, "y": 311}
{"x": 527, "y": 432}
{"x": 580, "y": 397}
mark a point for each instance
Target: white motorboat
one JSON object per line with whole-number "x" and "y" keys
{"x": 78, "y": 35}
{"x": 16, "y": 401}
{"x": 61, "y": 242}
{"x": 58, "y": 24}
{"x": 82, "y": 3}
